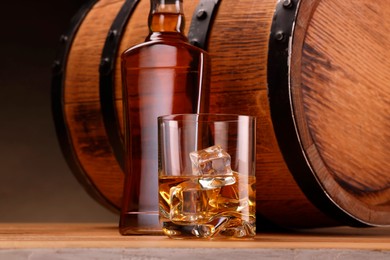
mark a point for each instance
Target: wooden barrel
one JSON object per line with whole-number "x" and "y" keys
{"x": 315, "y": 73}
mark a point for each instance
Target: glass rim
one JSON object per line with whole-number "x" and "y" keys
{"x": 205, "y": 117}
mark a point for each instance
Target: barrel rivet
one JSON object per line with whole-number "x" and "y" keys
{"x": 56, "y": 65}
{"x": 63, "y": 38}
{"x": 201, "y": 14}
{"x": 279, "y": 36}
{"x": 195, "y": 42}
{"x": 104, "y": 62}
{"x": 112, "y": 34}
{"x": 287, "y": 3}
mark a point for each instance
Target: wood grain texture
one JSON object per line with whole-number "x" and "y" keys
{"x": 94, "y": 151}
{"x": 82, "y": 109}
{"x": 341, "y": 95}
{"x": 98, "y": 235}
{"x": 82, "y": 70}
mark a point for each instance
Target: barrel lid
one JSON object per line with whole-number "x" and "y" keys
{"x": 337, "y": 105}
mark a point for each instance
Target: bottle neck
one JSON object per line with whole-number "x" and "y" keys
{"x": 166, "y": 16}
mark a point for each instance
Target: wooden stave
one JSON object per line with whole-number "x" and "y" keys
{"x": 82, "y": 126}
{"x": 60, "y": 117}
{"x": 270, "y": 159}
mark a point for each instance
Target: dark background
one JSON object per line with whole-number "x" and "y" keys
{"x": 36, "y": 184}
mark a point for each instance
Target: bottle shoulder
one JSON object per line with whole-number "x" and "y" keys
{"x": 165, "y": 42}
{"x": 164, "y": 55}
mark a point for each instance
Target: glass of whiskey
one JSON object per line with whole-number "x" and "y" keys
{"x": 207, "y": 181}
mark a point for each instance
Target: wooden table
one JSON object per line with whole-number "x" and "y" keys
{"x": 102, "y": 241}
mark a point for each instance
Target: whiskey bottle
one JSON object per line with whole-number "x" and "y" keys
{"x": 164, "y": 75}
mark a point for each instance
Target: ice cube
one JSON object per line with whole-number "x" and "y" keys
{"x": 211, "y": 228}
{"x": 216, "y": 182}
{"x": 188, "y": 203}
{"x": 203, "y": 231}
{"x": 211, "y": 161}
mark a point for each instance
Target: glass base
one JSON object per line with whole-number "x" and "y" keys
{"x": 222, "y": 230}
{"x": 140, "y": 223}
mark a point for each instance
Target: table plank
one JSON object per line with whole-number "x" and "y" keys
{"x": 106, "y": 235}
